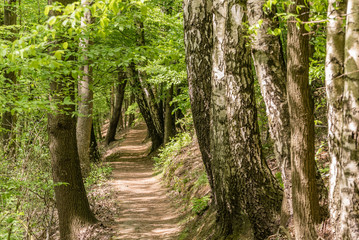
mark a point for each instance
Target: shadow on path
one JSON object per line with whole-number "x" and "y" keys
{"x": 146, "y": 211}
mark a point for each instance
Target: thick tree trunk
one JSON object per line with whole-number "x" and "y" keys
{"x": 156, "y": 137}
{"x": 198, "y": 32}
{"x": 8, "y": 120}
{"x": 238, "y": 166}
{"x": 343, "y": 96}
{"x": 170, "y": 127}
{"x": 334, "y": 78}
{"x": 271, "y": 72}
{"x": 85, "y": 105}
{"x": 304, "y": 190}
{"x": 119, "y": 96}
{"x": 71, "y": 200}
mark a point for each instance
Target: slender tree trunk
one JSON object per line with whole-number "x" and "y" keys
{"x": 170, "y": 128}
{"x": 71, "y": 200}
{"x": 154, "y": 108}
{"x": 156, "y": 137}
{"x": 304, "y": 190}
{"x": 94, "y": 153}
{"x": 238, "y": 166}
{"x": 198, "y": 32}
{"x": 119, "y": 96}
{"x": 131, "y": 117}
{"x": 271, "y": 72}
{"x": 8, "y": 119}
{"x": 343, "y": 105}
{"x": 85, "y": 105}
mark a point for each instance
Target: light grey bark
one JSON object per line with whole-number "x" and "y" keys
{"x": 271, "y": 73}
{"x": 85, "y": 105}
{"x": 238, "y": 166}
{"x": 198, "y": 30}
{"x": 344, "y": 121}
{"x": 304, "y": 191}
{"x": 334, "y": 78}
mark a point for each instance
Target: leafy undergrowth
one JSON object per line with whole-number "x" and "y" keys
{"x": 182, "y": 171}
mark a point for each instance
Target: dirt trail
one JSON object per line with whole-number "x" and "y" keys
{"x": 146, "y": 211}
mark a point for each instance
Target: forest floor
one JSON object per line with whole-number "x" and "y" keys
{"x": 141, "y": 207}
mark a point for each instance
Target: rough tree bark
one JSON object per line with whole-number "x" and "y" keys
{"x": 71, "y": 200}
{"x": 238, "y": 165}
{"x": 334, "y": 78}
{"x": 304, "y": 190}
{"x": 85, "y": 105}
{"x": 118, "y": 99}
{"x": 198, "y": 32}
{"x": 8, "y": 119}
{"x": 170, "y": 127}
{"x": 271, "y": 73}
{"x": 343, "y": 118}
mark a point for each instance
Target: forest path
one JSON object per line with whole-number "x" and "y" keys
{"x": 145, "y": 211}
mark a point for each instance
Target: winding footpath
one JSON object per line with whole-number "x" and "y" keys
{"x": 146, "y": 211}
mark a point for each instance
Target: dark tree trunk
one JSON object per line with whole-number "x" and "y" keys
{"x": 271, "y": 73}
{"x": 131, "y": 117}
{"x": 71, "y": 201}
{"x": 238, "y": 166}
{"x": 8, "y": 120}
{"x": 119, "y": 96}
{"x": 94, "y": 152}
{"x": 304, "y": 190}
{"x": 198, "y": 32}
{"x": 156, "y": 137}
{"x": 170, "y": 127}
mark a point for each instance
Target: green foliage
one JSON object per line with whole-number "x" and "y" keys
{"x": 98, "y": 174}
{"x": 199, "y": 205}
{"x": 170, "y": 150}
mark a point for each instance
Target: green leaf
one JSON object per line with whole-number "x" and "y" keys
{"x": 65, "y": 45}
{"x": 52, "y": 20}
{"x": 47, "y": 10}
{"x": 58, "y": 54}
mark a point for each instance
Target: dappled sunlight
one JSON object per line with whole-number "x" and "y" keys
{"x": 146, "y": 211}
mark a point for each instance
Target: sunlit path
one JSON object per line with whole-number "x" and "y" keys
{"x": 145, "y": 210}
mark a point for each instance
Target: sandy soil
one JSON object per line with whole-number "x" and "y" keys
{"x": 145, "y": 209}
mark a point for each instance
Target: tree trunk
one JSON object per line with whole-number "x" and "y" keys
{"x": 8, "y": 120}
{"x": 271, "y": 73}
{"x": 119, "y": 96}
{"x": 304, "y": 190}
{"x": 238, "y": 166}
{"x": 170, "y": 128}
{"x": 94, "y": 153}
{"x": 85, "y": 105}
{"x": 131, "y": 117}
{"x": 154, "y": 108}
{"x": 71, "y": 200}
{"x": 334, "y": 78}
{"x": 343, "y": 118}
{"x": 156, "y": 137}
{"x": 198, "y": 31}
